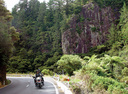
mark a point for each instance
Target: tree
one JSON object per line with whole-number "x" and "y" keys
{"x": 41, "y": 17}
{"x": 18, "y": 64}
{"x": 14, "y": 34}
{"x": 69, "y": 63}
{"x": 6, "y": 42}
{"x": 123, "y": 24}
{"x": 113, "y": 65}
{"x": 112, "y": 36}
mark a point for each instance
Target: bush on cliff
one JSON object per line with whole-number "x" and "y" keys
{"x": 69, "y": 63}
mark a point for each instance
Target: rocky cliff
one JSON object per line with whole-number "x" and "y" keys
{"x": 87, "y": 29}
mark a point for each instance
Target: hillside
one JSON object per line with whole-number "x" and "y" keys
{"x": 48, "y": 30}
{"x": 84, "y": 38}
{"x": 94, "y": 30}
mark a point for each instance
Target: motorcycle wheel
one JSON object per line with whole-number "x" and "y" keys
{"x": 40, "y": 86}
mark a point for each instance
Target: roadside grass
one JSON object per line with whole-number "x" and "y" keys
{"x": 7, "y": 83}
{"x": 20, "y": 74}
{"x": 75, "y": 80}
{"x": 65, "y": 78}
{"x": 70, "y": 81}
{"x": 23, "y": 75}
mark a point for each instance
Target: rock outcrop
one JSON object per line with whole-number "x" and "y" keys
{"x": 87, "y": 29}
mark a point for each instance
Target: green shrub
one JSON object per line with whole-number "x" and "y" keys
{"x": 116, "y": 47}
{"x": 104, "y": 66}
{"x": 77, "y": 9}
{"x": 108, "y": 84}
{"x": 117, "y": 90}
{"x": 78, "y": 30}
{"x": 47, "y": 72}
{"x": 125, "y": 79}
{"x": 124, "y": 53}
{"x": 93, "y": 66}
{"x": 93, "y": 29}
{"x": 101, "y": 49}
{"x": 76, "y": 88}
{"x": 82, "y": 19}
{"x": 94, "y": 69}
{"x": 8, "y": 82}
{"x": 69, "y": 63}
{"x": 125, "y": 71}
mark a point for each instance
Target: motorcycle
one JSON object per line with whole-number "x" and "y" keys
{"x": 38, "y": 82}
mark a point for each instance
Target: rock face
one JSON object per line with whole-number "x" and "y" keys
{"x": 87, "y": 29}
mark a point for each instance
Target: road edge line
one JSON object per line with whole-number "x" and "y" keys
{"x": 64, "y": 88}
{"x": 54, "y": 86}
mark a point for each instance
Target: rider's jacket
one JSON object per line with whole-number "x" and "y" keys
{"x": 38, "y": 75}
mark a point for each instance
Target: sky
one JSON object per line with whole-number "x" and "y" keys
{"x": 10, "y": 3}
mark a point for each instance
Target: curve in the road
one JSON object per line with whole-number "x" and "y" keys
{"x": 54, "y": 86}
{"x": 25, "y": 85}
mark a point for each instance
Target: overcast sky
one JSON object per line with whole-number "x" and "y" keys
{"x": 10, "y": 3}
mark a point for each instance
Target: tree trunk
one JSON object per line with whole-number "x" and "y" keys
{"x": 2, "y": 74}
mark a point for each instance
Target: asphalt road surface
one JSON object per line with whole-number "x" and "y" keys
{"x": 25, "y": 85}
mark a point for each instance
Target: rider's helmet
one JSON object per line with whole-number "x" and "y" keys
{"x": 38, "y": 71}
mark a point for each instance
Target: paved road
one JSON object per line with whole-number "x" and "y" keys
{"x": 25, "y": 85}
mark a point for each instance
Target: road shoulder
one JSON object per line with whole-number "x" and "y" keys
{"x": 54, "y": 82}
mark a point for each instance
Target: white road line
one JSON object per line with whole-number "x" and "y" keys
{"x": 54, "y": 86}
{"x": 27, "y": 86}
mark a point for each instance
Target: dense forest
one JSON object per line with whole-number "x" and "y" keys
{"x": 41, "y": 26}
{"x": 31, "y": 38}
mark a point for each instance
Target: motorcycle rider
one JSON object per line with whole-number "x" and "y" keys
{"x": 39, "y": 74}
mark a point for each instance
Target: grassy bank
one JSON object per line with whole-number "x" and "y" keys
{"x": 7, "y": 83}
